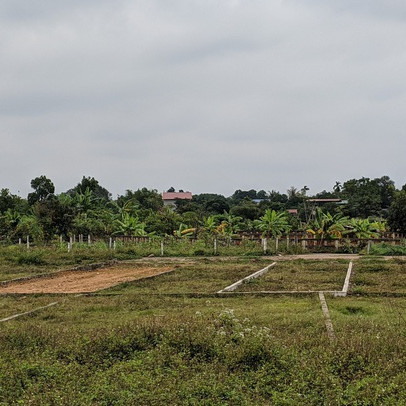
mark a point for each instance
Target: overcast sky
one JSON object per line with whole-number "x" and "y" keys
{"x": 202, "y": 95}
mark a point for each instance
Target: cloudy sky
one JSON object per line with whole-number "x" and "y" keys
{"x": 203, "y": 95}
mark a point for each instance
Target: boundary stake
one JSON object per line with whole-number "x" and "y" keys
{"x": 252, "y": 276}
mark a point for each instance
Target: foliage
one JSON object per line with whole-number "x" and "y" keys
{"x": 327, "y": 226}
{"x": 43, "y": 189}
{"x": 397, "y": 212}
{"x": 367, "y": 197}
{"x": 92, "y": 185}
{"x": 273, "y": 224}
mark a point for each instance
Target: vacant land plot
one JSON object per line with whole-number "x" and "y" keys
{"x": 300, "y": 276}
{"x": 172, "y": 340}
{"x": 380, "y": 276}
{"x": 82, "y": 281}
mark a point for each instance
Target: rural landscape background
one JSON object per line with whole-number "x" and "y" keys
{"x": 241, "y": 237}
{"x": 359, "y": 208}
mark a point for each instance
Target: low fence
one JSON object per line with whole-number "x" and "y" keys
{"x": 288, "y": 243}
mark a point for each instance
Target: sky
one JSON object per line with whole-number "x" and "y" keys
{"x": 203, "y": 95}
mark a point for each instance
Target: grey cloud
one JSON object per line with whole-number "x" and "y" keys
{"x": 208, "y": 95}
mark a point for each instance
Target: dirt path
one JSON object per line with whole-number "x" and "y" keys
{"x": 82, "y": 281}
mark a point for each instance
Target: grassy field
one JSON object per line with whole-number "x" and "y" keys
{"x": 172, "y": 340}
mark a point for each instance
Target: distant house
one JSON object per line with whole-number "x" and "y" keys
{"x": 170, "y": 198}
{"x": 292, "y": 211}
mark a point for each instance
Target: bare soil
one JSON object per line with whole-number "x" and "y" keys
{"x": 82, "y": 281}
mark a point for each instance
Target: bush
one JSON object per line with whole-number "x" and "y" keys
{"x": 31, "y": 258}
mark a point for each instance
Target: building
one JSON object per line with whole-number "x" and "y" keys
{"x": 170, "y": 198}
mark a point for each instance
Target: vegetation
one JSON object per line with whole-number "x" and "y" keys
{"x": 170, "y": 340}
{"x": 370, "y": 207}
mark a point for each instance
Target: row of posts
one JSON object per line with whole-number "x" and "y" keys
{"x": 112, "y": 243}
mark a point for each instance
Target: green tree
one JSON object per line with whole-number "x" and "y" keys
{"x": 130, "y": 225}
{"x": 363, "y": 228}
{"x": 397, "y": 212}
{"x": 43, "y": 189}
{"x": 90, "y": 183}
{"x": 328, "y": 226}
{"x": 273, "y": 224}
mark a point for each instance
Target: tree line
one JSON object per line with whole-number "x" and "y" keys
{"x": 367, "y": 207}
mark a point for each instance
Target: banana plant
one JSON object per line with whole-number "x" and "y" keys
{"x": 29, "y": 225}
{"x": 184, "y": 231}
{"x": 130, "y": 225}
{"x": 328, "y": 226}
{"x": 363, "y": 228}
{"x": 273, "y": 224}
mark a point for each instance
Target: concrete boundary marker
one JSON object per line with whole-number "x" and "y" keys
{"x": 344, "y": 291}
{"x": 327, "y": 318}
{"x": 256, "y": 274}
{"x": 14, "y": 316}
{"x": 283, "y": 292}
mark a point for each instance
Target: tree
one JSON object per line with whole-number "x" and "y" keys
{"x": 211, "y": 203}
{"x": 89, "y": 183}
{"x": 146, "y": 199}
{"x": 368, "y": 197}
{"x": 130, "y": 225}
{"x": 273, "y": 224}
{"x": 397, "y": 212}
{"x": 363, "y": 228}
{"x": 328, "y": 226}
{"x": 43, "y": 189}
{"x": 247, "y": 210}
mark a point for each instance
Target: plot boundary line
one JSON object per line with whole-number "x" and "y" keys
{"x": 346, "y": 285}
{"x": 256, "y": 274}
{"x": 14, "y": 316}
{"x": 337, "y": 293}
{"x": 327, "y": 318}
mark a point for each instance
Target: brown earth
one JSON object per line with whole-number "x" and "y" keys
{"x": 82, "y": 281}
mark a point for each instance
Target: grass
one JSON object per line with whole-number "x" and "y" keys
{"x": 379, "y": 276}
{"x": 158, "y": 341}
{"x": 301, "y": 275}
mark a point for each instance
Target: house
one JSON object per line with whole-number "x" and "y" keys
{"x": 170, "y": 198}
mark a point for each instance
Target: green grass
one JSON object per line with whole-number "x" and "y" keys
{"x": 200, "y": 276}
{"x": 302, "y": 275}
{"x": 157, "y": 342}
{"x": 380, "y": 276}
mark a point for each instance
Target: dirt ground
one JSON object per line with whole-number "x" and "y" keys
{"x": 82, "y": 281}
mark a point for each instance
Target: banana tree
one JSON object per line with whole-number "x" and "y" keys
{"x": 363, "y": 228}
{"x": 130, "y": 225}
{"x": 273, "y": 224}
{"x": 29, "y": 225}
{"x": 328, "y": 226}
{"x": 184, "y": 231}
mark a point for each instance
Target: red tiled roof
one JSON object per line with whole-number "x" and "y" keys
{"x": 176, "y": 195}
